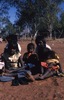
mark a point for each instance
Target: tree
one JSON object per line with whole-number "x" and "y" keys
{"x": 30, "y": 12}
{"x": 3, "y": 13}
{"x": 62, "y": 19}
{"x": 5, "y": 24}
{"x": 10, "y": 28}
{"x": 37, "y": 12}
{"x": 62, "y": 25}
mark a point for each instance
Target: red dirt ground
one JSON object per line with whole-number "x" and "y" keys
{"x": 48, "y": 89}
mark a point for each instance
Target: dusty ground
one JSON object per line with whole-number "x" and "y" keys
{"x": 49, "y": 89}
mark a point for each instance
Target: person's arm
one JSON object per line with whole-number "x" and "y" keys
{"x": 25, "y": 57}
{"x": 20, "y": 62}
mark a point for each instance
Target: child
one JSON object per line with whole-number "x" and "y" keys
{"x": 48, "y": 59}
{"x": 30, "y": 57}
{"x": 30, "y": 50}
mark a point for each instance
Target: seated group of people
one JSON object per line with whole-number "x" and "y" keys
{"x": 38, "y": 63}
{"x": 46, "y": 60}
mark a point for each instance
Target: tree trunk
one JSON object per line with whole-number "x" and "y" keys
{"x": 50, "y": 27}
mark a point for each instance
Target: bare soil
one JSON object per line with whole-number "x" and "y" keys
{"x": 48, "y": 89}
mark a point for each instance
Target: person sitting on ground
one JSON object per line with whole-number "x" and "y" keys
{"x": 13, "y": 60}
{"x": 30, "y": 50}
{"x": 12, "y": 57}
{"x": 12, "y": 52}
{"x": 48, "y": 58}
{"x": 30, "y": 58}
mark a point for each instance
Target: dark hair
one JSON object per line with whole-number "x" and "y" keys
{"x": 30, "y": 45}
{"x": 13, "y": 46}
{"x": 40, "y": 38}
{"x": 12, "y": 37}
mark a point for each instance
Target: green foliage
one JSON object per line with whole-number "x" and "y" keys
{"x": 36, "y": 14}
{"x": 4, "y": 7}
{"x": 62, "y": 19}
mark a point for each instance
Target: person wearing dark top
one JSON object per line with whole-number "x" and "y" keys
{"x": 47, "y": 58}
{"x": 30, "y": 57}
